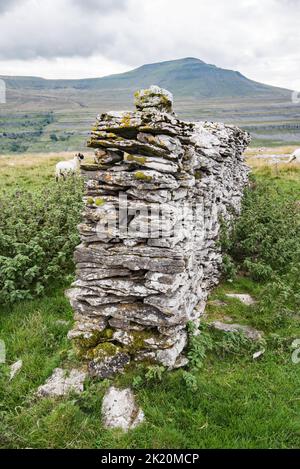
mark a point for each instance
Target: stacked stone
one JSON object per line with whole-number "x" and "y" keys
{"x": 137, "y": 288}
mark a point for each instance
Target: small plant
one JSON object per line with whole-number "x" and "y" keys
{"x": 137, "y": 382}
{"x": 234, "y": 343}
{"x": 190, "y": 381}
{"x": 199, "y": 343}
{"x": 155, "y": 373}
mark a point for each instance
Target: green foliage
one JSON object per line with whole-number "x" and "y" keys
{"x": 137, "y": 381}
{"x": 265, "y": 245}
{"x": 199, "y": 344}
{"x": 19, "y": 132}
{"x": 233, "y": 343}
{"x": 38, "y": 235}
{"x": 155, "y": 373}
{"x": 266, "y": 238}
{"x": 190, "y": 381}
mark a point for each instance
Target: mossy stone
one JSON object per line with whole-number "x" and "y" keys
{"x": 102, "y": 351}
{"x": 142, "y": 176}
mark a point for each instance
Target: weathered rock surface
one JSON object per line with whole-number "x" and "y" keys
{"x": 15, "y": 369}
{"x": 155, "y": 198}
{"x": 243, "y": 297}
{"x": 119, "y": 409}
{"x": 108, "y": 367}
{"x": 248, "y": 331}
{"x": 62, "y": 382}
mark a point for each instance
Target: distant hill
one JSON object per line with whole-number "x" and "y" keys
{"x": 57, "y": 115}
{"x": 188, "y": 77}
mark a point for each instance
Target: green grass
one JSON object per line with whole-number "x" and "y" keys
{"x": 237, "y": 402}
{"x": 30, "y": 170}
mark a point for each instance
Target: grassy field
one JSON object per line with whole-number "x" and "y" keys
{"x": 230, "y": 401}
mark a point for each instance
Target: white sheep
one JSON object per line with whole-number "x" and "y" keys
{"x": 295, "y": 157}
{"x": 68, "y": 168}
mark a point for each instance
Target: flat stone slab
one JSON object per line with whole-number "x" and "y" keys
{"x": 250, "y": 332}
{"x": 15, "y": 369}
{"x": 62, "y": 382}
{"x": 119, "y": 409}
{"x": 243, "y": 298}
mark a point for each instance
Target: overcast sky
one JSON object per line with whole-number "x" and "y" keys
{"x": 91, "y": 38}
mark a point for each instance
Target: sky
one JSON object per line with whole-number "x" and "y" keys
{"x": 92, "y": 38}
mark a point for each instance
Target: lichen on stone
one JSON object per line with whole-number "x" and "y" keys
{"x": 99, "y": 202}
{"x": 141, "y": 176}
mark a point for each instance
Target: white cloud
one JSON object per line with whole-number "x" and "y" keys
{"x": 7, "y": 4}
{"x": 101, "y": 5}
{"x": 258, "y": 38}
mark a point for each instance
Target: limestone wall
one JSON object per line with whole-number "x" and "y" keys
{"x": 148, "y": 257}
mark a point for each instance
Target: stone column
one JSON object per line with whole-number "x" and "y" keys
{"x": 154, "y": 201}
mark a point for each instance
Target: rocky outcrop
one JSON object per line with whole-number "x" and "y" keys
{"x": 155, "y": 198}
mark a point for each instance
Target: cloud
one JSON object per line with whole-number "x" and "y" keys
{"x": 260, "y": 39}
{"x": 100, "y": 5}
{"x": 7, "y": 4}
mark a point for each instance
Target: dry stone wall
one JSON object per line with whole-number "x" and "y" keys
{"x": 155, "y": 198}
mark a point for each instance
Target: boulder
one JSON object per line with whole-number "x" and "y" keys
{"x": 62, "y": 382}
{"x": 119, "y": 409}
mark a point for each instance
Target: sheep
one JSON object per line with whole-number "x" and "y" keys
{"x": 68, "y": 168}
{"x": 295, "y": 157}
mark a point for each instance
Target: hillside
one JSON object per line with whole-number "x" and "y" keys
{"x": 188, "y": 77}
{"x": 55, "y": 115}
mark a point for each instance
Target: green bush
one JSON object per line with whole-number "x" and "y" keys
{"x": 266, "y": 238}
{"x": 265, "y": 245}
{"x": 53, "y": 137}
{"x": 38, "y": 235}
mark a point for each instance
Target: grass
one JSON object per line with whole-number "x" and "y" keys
{"x": 239, "y": 402}
{"x": 30, "y": 170}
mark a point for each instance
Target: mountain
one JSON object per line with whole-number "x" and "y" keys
{"x": 54, "y": 115}
{"x": 188, "y": 77}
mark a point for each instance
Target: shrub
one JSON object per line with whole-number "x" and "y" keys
{"x": 265, "y": 245}
{"x": 53, "y": 137}
{"x": 38, "y": 235}
{"x": 265, "y": 241}
{"x": 199, "y": 344}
